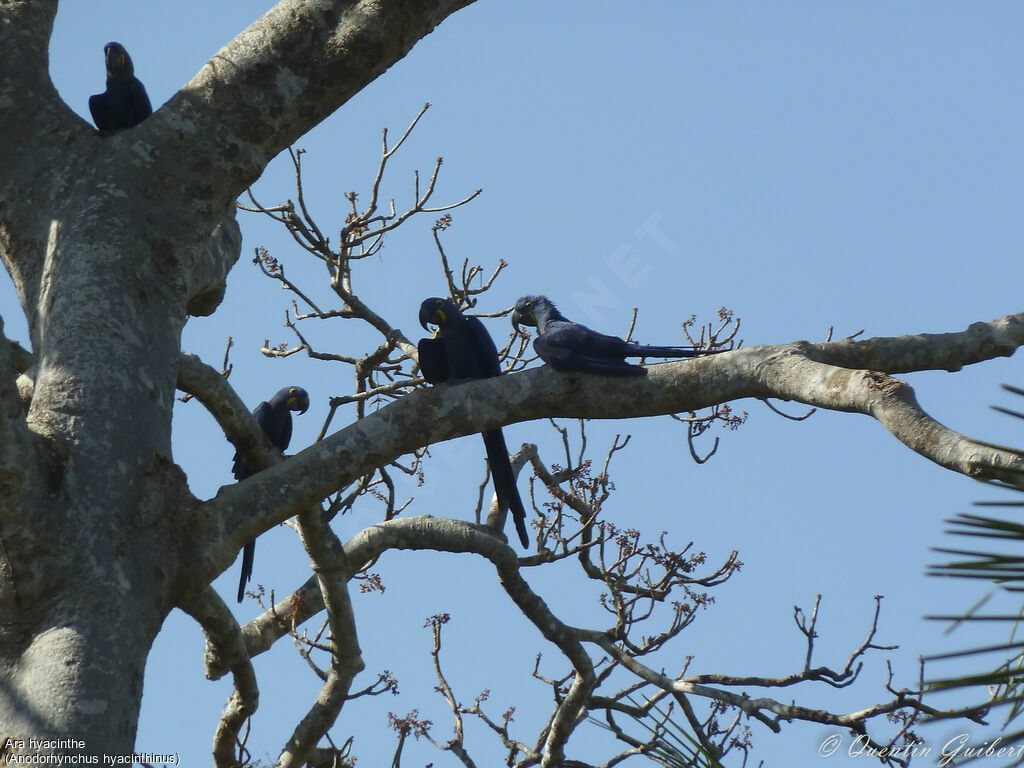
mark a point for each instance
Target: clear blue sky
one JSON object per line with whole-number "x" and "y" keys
{"x": 806, "y": 164}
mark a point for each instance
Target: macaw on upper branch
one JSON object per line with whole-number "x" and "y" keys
{"x": 125, "y": 103}
{"x": 569, "y": 346}
{"x": 464, "y": 350}
{"x": 275, "y": 419}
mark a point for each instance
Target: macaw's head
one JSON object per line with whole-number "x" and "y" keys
{"x": 294, "y": 399}
{"x": 438, "y": 311}
{"x": 527, "y": 310}
{"x": 117, "y": 59}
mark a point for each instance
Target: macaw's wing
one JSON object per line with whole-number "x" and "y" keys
{"x": 248, "y": 555}
{"x": 551, "y": 353}
{"x": 100, "y": 110}
{"x": 485, "y": 350}
{"x": 600, "y": 346}
{"x": 239, "y": 468}
{"x": 560, "y": 342}
{"x": 127, "y": 104}
{"x": 505, "y": 481}
{"x": 140, "y": 105}
{"x": 278, "y": 430}
{"x": 433, "y": 361}
{"x": 570, "y": 346}
{"x": 276, "y": 423}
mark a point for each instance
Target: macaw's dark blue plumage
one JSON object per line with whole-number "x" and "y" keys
{"x": 125, "y": 103}
{"x": 464, "y": 350}
{"x": 275, "y": 419}
{"x": 569, "y": 346}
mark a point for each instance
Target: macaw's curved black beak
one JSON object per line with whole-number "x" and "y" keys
{"x": 426, "y": 317}
{"x": 116, "y": 57}
{"x": 523, "y": 318}
{"x": 298, "y": 400}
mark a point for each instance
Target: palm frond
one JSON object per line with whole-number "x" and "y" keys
{"x": 667, "y": 742}
{"x": 1002, "y": 680}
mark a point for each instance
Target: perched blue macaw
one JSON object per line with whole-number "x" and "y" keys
{"x": 464, "y": 350}
{"x": 125, "y": 103}
{"x": 569, "y": 346}
{"x": 275, "y": 419}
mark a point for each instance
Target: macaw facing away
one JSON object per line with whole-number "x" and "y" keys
{"x": 569, "y": 346}
{"x": 275, "y": 419}
{"x": 125, "y": 103}
{"x": 464, "y": 350}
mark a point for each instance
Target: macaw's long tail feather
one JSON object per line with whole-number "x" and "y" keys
{"x": 505, "y": 481}
{"x": 641, "y": 350}
{"x": 248, "y": 552}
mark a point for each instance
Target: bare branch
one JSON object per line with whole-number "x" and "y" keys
{"x": 426, "y": 532}
{"x": 456, "y": 744}
{"x": 766, "y": 710}
{"x": 333, "y": 572}
{"x": 386, "y": 155}
{"x": 276, "y": 622}
{"x": 786, "y": 415}
{"x": 225, "y": 650}
{"x": 926, "y": 351}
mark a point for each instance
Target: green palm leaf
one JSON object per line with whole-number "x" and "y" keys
{"x": 1002, "y": 678}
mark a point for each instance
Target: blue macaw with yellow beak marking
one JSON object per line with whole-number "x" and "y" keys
{"x": 569, "y": 346}
{"x": 125, "y": 103}
{"x": 464, "y": 350}
{"x": 275, "y": 419}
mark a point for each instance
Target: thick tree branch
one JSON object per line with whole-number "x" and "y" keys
{"x": 35, "y": 120}
{"x": 445, "y": 412}
{"x": 209, "y": 269}
{"x": 280, "y": 77}
{"x": 925, "y": 351}
{"x": 225, "y": 647}
{"x": 211, "y": 389}
{"x": 15, "y": 437}
{"x": 25, "y": 29}
{"x": 20, "y": 357}
{"x": 273, "y": 624}
{"x": 333, "y": 572}
{"x": 893, "y": 403}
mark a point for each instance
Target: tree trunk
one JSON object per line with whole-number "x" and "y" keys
{"x": 106, "y": 240}
{"x": 90, "y": 566}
